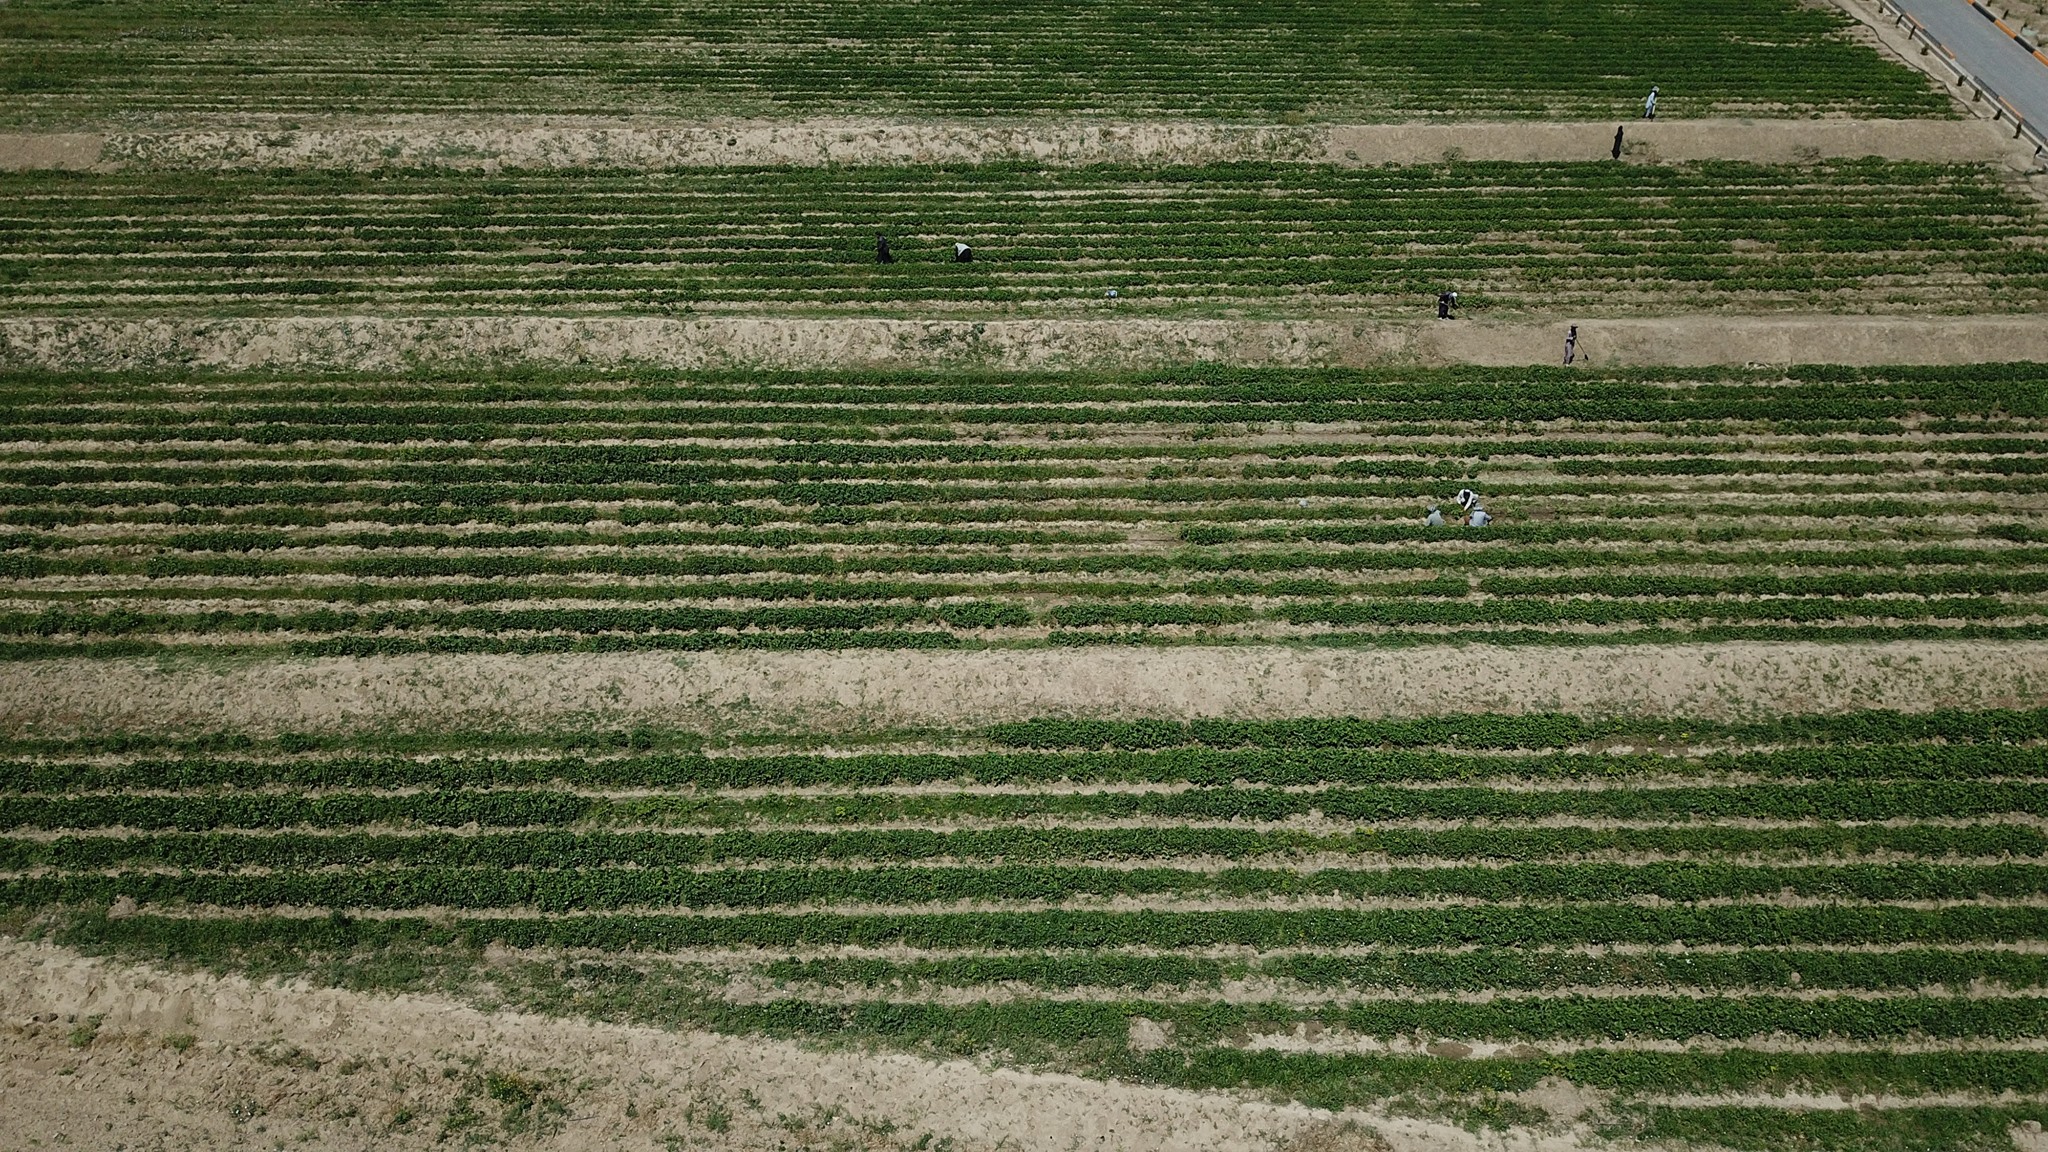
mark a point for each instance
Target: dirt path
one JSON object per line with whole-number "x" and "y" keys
{"x": 393, "y": 343}
{"x": 107, "y": 1055}
{"x": 879, "y": 690}
{"x": 493, "y": 144}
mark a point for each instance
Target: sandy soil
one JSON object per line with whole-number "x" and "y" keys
{"x": 392, "y": 343}
{"x": 70, "y": 151}
{"x": 494, "y": 144}
{"x": 97, "y": 1054}
{"x": 863, "y": 690}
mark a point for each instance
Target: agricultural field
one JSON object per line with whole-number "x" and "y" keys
{"x": 1273, "y": 239}
{"x": 610, "y": 511}
{"x": 134, "y": 63}
{"x": 1738, "y": 934}
{"x": 925, "y": 757}
{"x": 1737, "y": 931}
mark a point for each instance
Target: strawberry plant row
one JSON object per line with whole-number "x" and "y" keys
{"x": 1510, "y": 969}
{"x": 1291, "y": 754}
{"x": 1734, "y": 925}
{"x": 295, "y": 850}
{"x": 1831, "y": 801}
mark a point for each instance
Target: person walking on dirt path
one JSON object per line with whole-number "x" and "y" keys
{"x": 1571, "y": 344}
{"x": 1650, "y": 104}
{"x": 882, "y": 253}
{"x": 962, "y": 254}
{"x": 1445, "y": 302}
{"x": 1617, "y": 141}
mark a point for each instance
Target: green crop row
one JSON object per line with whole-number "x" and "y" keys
{"x": 836, "y": 449}
{"x": 1430, "y": 400}
{"x": 58, "y": 621}
{"x": 1287, "y": 754}
{"x": 1735, "y": 925}
{"x": 1541, "y": 730}
{"x": 667, "y": 470}
{"x": 400, "y": 645}
{"x": 603, "y": 887}
{"x": 551, "y": 849}
{"x": 1859, "y": 801}
{"x": 854, "y": 497}
{"x": 1477, "y": 971}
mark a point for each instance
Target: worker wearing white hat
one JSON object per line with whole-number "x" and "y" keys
{"x": 1475, "y": 515}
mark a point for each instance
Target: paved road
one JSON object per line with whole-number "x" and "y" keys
{"x": 1987, "y": 53}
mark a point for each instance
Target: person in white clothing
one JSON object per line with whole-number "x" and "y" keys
{"x": 1475, "y": 516}
{"x": 1435, "y": 519}
{"x": 1650, "y": 104}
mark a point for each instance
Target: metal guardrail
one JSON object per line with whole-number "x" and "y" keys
{"x": 2018, "y": 35}
{"x": 2001, "y": 109}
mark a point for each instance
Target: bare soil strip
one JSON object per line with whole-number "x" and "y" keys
{"x": 368, "y": 343}
{"x": 842, "y": 691}
{"x": 203, "y": 1061}
{"x": 497, "y": 144}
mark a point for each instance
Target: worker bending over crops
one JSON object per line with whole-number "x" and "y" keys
{"x": 962, "y": 254}
{"x": 882, "y": 253}
{"x": 1475, "y": 516}
{"x": 1435, "y": 519}
{"x": 1445, "y": 301}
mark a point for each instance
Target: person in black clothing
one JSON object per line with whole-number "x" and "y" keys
{"x": 962, "y": 254}
{"x": 882, "y": 253}
{"x": 1445, "y": 301}
{"x": 1617, "y": 141}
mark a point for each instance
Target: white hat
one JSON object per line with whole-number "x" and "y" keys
{"x": 1467, "y": 498}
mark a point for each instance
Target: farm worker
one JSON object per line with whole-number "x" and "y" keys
{"x": 882, "y": 253}
{"x": 1650, "y": 104}
{"x": 1435, "y": 519}
{"x": 1617, "y": 141}
{"x": 1445, "y": 301}
{"x": 1474, "y": 514}
{"x": 1109, "y": 295}
{"x": 1571, "y": 344}
{"x": 962, "y": 254}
